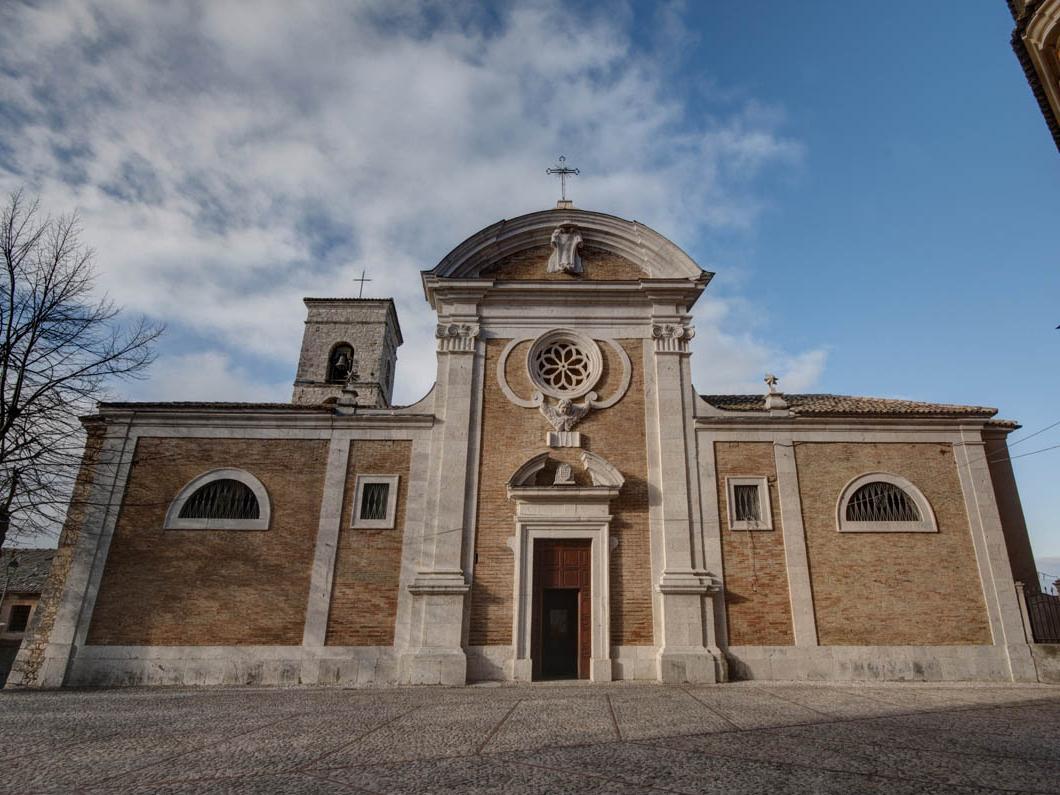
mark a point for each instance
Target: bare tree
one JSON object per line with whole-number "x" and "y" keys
{"x": 60, "y": 347}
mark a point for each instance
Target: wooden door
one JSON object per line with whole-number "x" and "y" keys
{"x": 562, "y": 596}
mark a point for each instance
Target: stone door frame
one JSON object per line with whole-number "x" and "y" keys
{"x": 561, "y": 524}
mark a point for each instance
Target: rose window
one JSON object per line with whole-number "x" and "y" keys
{"x": 563, "y": 364}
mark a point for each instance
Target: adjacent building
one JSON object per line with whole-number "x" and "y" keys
{"x": 23, "y": 573}
{"x": 1036, "y": 42}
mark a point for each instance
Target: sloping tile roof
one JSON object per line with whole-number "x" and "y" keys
{"x": 30, "y": 573}
{"x": 820, "y": 405}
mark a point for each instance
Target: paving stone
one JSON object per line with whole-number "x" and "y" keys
{"x": 674, "y": 770}
{"x": 620, "y": 737}
{"x": 876, "y": 759}
{"x": 289, "y": 745}
{"x": 663, "y": 713}
{"x": 424, "y": 733}
{"x": 98, "y": 760}
{"x": 752, "y": 709}
{"x": 535, "y": 723}
{"x": 290, "y": 784}
{"x": 835, "y": 702}
{"x": 971, "y": 741}
{"x": 479, "y": 775}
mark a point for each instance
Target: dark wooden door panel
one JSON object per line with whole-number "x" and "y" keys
{"x": 562, "y": 565}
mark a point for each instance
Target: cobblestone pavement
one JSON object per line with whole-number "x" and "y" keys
{"x": 548, "y": 738}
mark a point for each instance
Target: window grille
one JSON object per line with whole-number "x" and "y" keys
{"x": 18, "y": 619}
{"x": 881, "y": 502}
{"x": 374, "y": 500}
{"x": 221, "y": 499}
{"x": 746, "y": 506}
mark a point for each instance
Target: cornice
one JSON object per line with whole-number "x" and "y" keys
{"x": 250, "y": 418}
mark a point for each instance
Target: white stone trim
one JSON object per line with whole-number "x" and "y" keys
{"x": 502, "y": 381}
{"x": 592, "y": 398}
{"x": 870, "y": 663}
{"x": 765, "y": 506}
{"x": 562, "y": 523}
{"x": 657, "y": 256}
{"x": 991, "y": 553}
{"x": 927, "y": 523}
{"x": 318, "y": 604}
{"x": 711, "y": 513}
{"x": 627, "y": 377}
{"x": 387, "y": 522}
{"x": 109, "y": 666}
{"x": 796, "y": 558}
{"x": 173, "y": 520}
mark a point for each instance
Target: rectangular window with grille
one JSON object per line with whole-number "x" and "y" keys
{"x": 749, "y": 507}
{"x": 18, "y": 618}
{"x": 375, "y": 502}
{"x": 746, "y": 508}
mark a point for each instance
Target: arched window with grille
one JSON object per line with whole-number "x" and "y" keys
{"x": 883, "y": 503}
{"x": 340, "y": 363}
{"x": 222, "y": 499}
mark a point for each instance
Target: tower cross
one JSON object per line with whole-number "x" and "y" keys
{"x": 362, "y": 280}
{"x": 563, "y": 171}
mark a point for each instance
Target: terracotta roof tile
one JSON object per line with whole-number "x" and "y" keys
{"x": 820, "y": 405}
{"x": 30, "y": 573}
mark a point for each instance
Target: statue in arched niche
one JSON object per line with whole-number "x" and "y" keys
{"x": 566, "y": 240}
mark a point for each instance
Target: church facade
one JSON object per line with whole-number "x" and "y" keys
{"x": 563, "y": 503}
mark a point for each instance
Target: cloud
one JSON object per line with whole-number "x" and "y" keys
{"x": 202, "y": 376}
{"x": 228, "y": 158}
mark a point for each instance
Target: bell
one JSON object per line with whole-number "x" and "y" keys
{"x": 343, "y": 362}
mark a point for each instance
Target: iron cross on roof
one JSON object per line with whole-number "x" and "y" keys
{"x": 362, "y": 280}
{"x": 563, "y": 171}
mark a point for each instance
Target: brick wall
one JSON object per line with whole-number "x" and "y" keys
{"x": 368, "y": 562}
{"x": 757, "y": 600}
{"x": 510, "y": 436}
{"x": 890, "y": 588}
{"x": 31, "y": 655}
{"x": 532, "y": 263}
{"x": 212, "y": 587}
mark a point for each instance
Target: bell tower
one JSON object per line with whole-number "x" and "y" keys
{"x": 351, "y": 344}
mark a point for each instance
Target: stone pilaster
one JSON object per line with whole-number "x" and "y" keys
{"x": 688, "y": 650}
{"x": 995, "y": 572}
{"x": 440, "y": 585}
{"x": 44, "y": 660}
{"x": 323, "y": 575}
{"x": 803, "y": 618}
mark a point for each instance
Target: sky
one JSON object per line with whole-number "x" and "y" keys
{"x": 876, "y": 192}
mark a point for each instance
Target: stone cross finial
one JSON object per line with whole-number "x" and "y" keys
{"x": 771, "y": 380}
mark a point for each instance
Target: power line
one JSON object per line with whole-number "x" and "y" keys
{"x": 1023, "y": 455}
{"x": 1032, "y": 435}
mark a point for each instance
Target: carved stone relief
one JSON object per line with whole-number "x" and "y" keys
{"x": 456, "y": 337}
{"x": 562, "y": 366}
